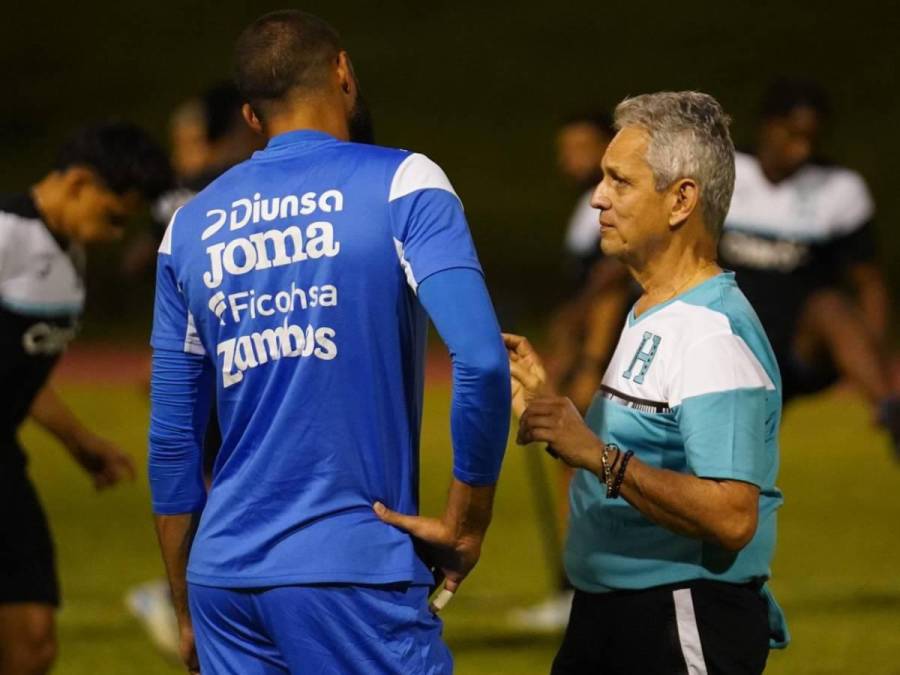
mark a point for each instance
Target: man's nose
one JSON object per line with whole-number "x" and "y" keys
{"x": 600, "y": 200}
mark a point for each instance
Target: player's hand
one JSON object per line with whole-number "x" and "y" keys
{"x": 106, "y": 463}
{"x": 452, "y": 554}
{"x": 556, "y": 421}
{"x": 187, "y": 648}
{"x": 528, "y": 375}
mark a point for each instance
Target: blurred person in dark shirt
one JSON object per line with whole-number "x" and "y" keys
{"x": 105, "y": 175}
{"x": 800, "y": 236}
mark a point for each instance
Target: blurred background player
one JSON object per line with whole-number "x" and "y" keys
{"x": 104, "y": 176}
{"x": 207, "y": 136}
{"x": 582, "y": 335}
{"x": 800, "y": 236}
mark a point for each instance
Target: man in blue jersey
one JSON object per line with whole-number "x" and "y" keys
{"x": 300, "y": 281}
{"x": 672, "y": 525}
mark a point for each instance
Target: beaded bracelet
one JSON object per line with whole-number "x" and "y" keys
{"x": 620, "y": 476}
{"x": 609, "y": 468}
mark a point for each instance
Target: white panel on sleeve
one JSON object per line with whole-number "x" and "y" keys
{"x": 192, "y": 344}
{"x": 719, "y": 363}
{"x": 407, "y": 268}
{"x": 417, "y": 172}
{"x": 165, "y": 246}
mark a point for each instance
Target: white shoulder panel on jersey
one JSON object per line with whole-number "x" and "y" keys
{"x": 37, "y": 277}
{"x": 165, "y": 246}
{"x": 853, "y": 205}
{"x": 815, "y": 204}
{"x": 417, "y": 172}
{"x": 678, "y": 326}
{"x": 720, "y": 363}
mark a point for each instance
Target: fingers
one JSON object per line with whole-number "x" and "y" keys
{"x": 429, "y": 530}
{"x": 525, "y": 375}
{"x": 128, "y": 469}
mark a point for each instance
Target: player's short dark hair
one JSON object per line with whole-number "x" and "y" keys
{"x": 282, "y": 53}
{"x": 123, "y": 155}
{"x": 601, "y": 120}
{"x": 789, "y": 93}
{"x": 221, "y": 105}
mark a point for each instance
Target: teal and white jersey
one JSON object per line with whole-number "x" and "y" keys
{"x": 693, "y": 387}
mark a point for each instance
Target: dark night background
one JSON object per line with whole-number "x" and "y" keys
{"x": 478, "y": 86}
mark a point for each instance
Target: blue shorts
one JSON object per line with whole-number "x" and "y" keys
{"x": 321, "y": 629}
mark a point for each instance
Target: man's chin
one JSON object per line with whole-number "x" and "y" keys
{"x": 611, "y": 245}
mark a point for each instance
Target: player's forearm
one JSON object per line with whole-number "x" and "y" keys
{"x": 175, "y": 534}
{"x": 458, "y": 303}
{"x": 51, "y": 413}
{"x": 722, "y": 512}
{"x": 874, "y": 299}
{"x": 469, "y": 510}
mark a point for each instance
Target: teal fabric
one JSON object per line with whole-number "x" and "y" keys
{"x": 730, "y": 434}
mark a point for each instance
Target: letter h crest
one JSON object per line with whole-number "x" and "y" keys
{"x": 645, "y": 354}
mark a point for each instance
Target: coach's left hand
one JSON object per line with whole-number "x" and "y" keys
{"x": 556, "y": 421}
{"x": 106, "y": 463}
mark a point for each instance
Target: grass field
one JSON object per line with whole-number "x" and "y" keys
{"x": 836, "y": 571}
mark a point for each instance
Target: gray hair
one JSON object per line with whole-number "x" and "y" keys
{"x": 688, "y": 139}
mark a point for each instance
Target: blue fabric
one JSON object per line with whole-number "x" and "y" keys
{"x": 180, "y": 392}
{"x": 295, "y": 273}
{"x": 723, "y": 432}
{"x": 458, "y": 304}
{"x": 327, "y": 630}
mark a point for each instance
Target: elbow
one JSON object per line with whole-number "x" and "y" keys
{"x": 490, "y": 368}
{"x": 737, "y": 531}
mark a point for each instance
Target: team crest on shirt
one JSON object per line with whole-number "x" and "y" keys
{"x": 644, "y": 356}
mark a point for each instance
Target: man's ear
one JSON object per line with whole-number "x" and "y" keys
{"x": 251, "y": 118}
{"x": 345, "y": 75}
{"x": 685, "y": 198}
{"x": 75, "y": 178}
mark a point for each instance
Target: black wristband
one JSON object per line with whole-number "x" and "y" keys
{"x": 620, "y": 476}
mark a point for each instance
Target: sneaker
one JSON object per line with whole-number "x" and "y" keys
{"x": 889, "y": 418}
{"x": 151, "y": 604}
{"x": 551, "y": 615}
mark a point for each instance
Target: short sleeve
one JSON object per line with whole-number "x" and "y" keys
{"x": 429, "y": 226}
{"x": 173, "y": 325}
{"x": 854, "y": 206}
{"x": 721, "y": 395}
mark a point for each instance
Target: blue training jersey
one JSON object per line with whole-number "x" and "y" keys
{"x": 295, "y": 274}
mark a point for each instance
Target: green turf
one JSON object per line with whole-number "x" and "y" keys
{"x": 837, "y": 569}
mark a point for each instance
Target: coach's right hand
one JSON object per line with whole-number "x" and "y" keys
{"x": 453, "y": 541}
{"x": 529, "y": 379}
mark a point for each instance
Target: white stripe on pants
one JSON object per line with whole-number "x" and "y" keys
{"x": 688, "y": 635}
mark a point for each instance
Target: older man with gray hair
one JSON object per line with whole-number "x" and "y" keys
{"x": 673, "y": 504}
